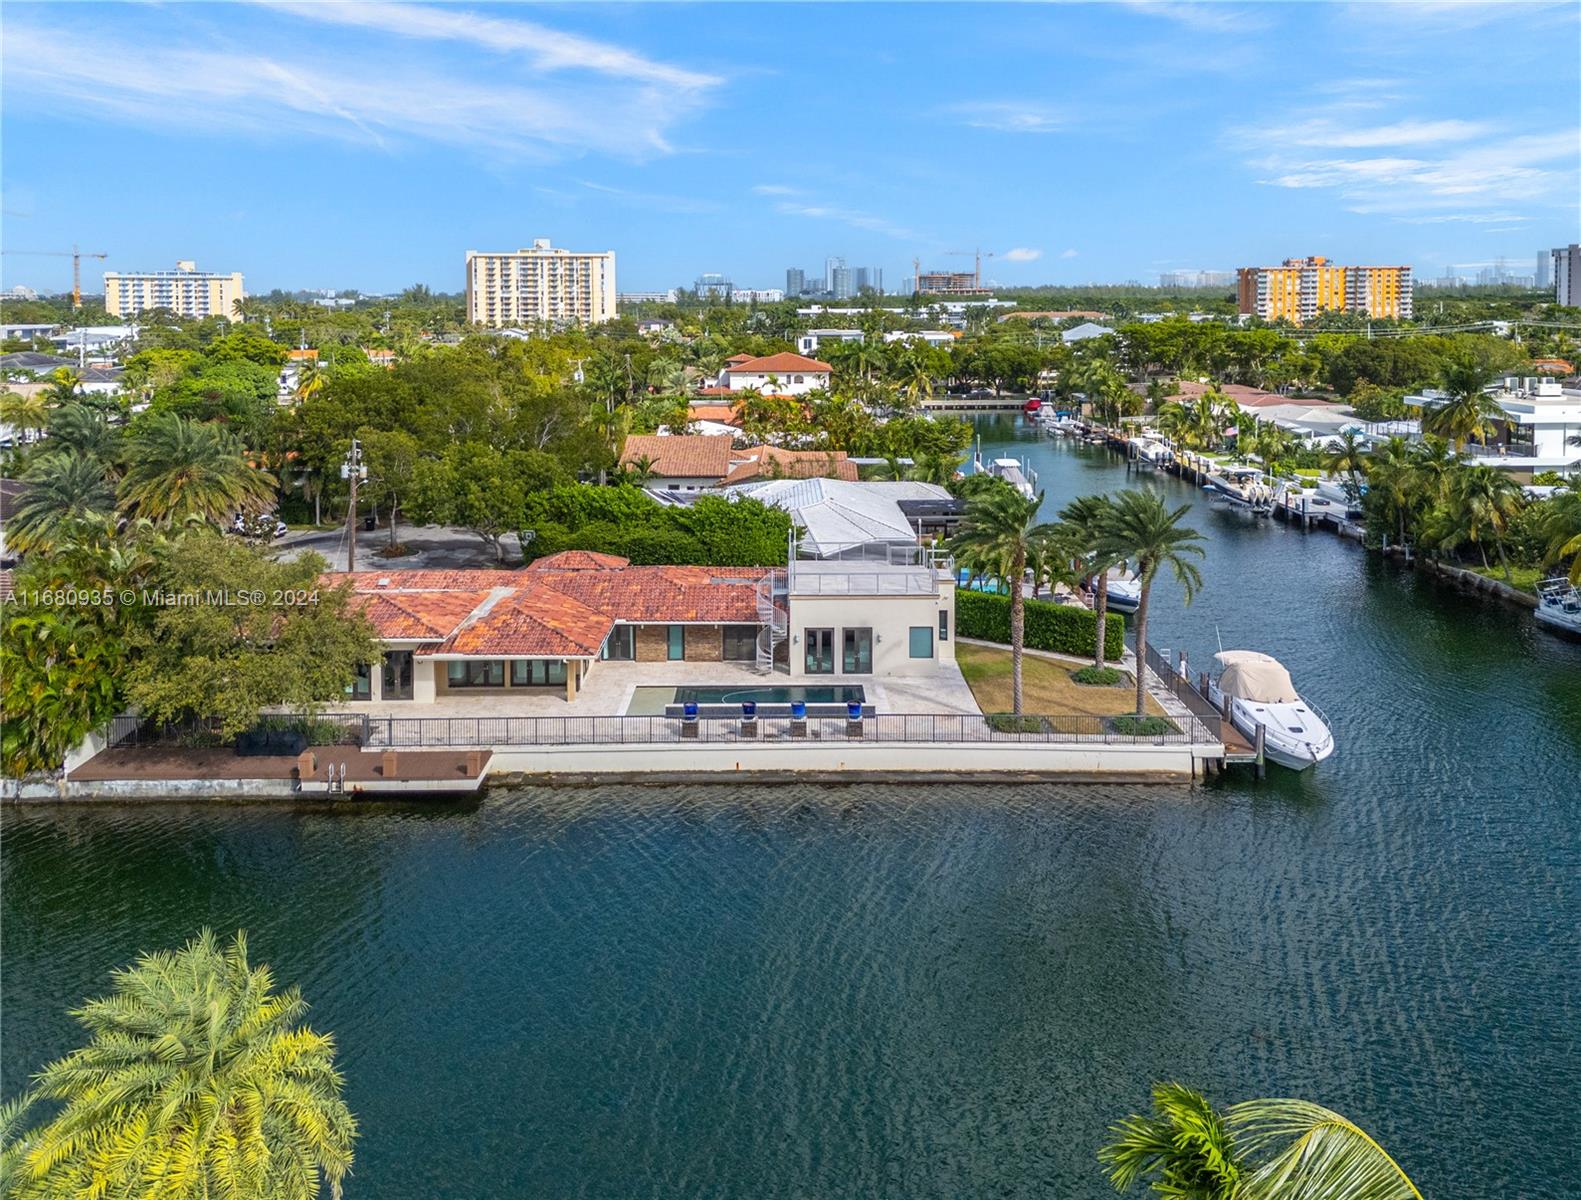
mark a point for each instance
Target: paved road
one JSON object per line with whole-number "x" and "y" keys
{"x": 434, "y": 547}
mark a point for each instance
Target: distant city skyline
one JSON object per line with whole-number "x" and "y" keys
{"x": 369, "y": 146}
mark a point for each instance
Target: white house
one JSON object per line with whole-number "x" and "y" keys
{"x": 1084, "y": 331}
{"x": 1540, "y": 419}
{"x": 886, "y": 610}
{"x": 783, "y": 374}
{"x": 807, "y": 343}
{"x": 836, "y": 513}
{"x": 938, "y": 338}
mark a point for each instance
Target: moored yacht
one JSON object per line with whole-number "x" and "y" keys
{"x": 1559, "y": 605}
{"x": 1259, "y": 692}
{"x": 1125, "y": 590}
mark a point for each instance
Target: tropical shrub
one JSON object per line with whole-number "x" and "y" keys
{"x": 1059, "y": 628}
{"x": 1099, "y": 677}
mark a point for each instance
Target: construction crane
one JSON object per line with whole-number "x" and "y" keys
{"x": 76, "y": 257}
{"x": 977, "y": 257}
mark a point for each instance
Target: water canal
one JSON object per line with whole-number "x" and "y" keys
{"x": 923, "y": 992}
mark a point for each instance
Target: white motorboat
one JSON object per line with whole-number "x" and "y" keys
{"x": 1153, "y": 453}
{"x": 1259, "y": 692}
{"x": 1125, "y": 590}
{"x": 1559, "y": 605}
{"x": 1244, "y": 487}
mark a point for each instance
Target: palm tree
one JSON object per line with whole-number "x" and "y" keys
{"x": 61, "y": 489}
{"x": 641, "y": 469}
{"x": 1142, "y": 529}
{"x": 1349, "y": 458}
{"x": 310, "y": 381}
{"x": 198, "y": 1080}
{"x": 998, "y": 533}
{"x": 1561, "y": 531}
{"x": 1391, "y": 480}
{"x": 1184, "y": 1145}
{"x": 1469, "y": 412}
{"x": 26, "y": 413}
{"x": 179, "y": 469}
{"x": 1278, "y": 1149}
{"x": 1483, "y": 501}
{"x": 79, "y": 429}
{"x": 1085, "y": 517}
{"x": 65, "y": 386}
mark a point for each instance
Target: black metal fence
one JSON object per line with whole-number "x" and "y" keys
{"x": 923, "y": 728}
{"x": 1185, "y": 691}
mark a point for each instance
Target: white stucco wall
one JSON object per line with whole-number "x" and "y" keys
{"x": 792, "y": 383}
{"x": 891, "y": 619}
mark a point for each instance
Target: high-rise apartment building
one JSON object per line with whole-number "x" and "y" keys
{"x": 869, "y": 279}
{"x": 542, "y": 283}
{"x": 1301, "y": 288}
{"x": 186, "y": 291}
{"x": 1566, "y": 264}
{"x": 842, "y": 283}
{"x": 1545, "y": 270}
{"x": 795, "y": 281}
{"x": 1196, "y": 279}
{"x": 710, "y": 286}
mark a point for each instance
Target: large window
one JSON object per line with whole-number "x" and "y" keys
{"x": 677, "y": 642}
{"x": 483, "y": 673}
{"x": 741, "y": 643}
{"x": 856, "y": 651}
{"x": 820, "y": 651}
{"x": 397, "y": 681}
{"x": 537, "y": 672}
{"x": 922, "y": 641}
{"x": 361, "y": 688}
{"x": 621, "y": 643}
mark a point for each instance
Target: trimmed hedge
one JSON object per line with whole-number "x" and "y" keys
{"x": 1061, "y": 628}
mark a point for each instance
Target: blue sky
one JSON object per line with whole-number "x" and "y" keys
{"x": 371, "y": 145}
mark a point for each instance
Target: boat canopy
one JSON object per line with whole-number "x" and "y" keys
{"x": 1251, "y": 675}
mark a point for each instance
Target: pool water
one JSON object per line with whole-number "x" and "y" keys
{"x": 651, "y": 701}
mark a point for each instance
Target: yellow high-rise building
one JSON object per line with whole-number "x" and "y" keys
{"x": 1301, "y": 288}
{"x": 186, "y": 291}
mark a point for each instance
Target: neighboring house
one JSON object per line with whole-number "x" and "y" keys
{"x": 453, "y": 634}
{"x": 703, "y": 462}
{"x": 782, "y": 374}
{"x": 690, "y": 463}
{"x": 808, "y": 343}
{"x": 1540, "y": 418}
{"x": 836, "y": 513}
{"x": 1084, "y": 332}
{"x": 31, "y": 362}
{"x": 938, "y": 338}
{"x": 93, "y": 338}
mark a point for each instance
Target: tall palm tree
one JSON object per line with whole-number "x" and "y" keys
{"x": 1276, "y": 1149}
{"x": 1483, "y": 501}
{"x": 1141, "y": 528}
{"x": 79, "y": 429}
{"x": 310, "y": 381}
{"x": 1085, "y": 517}
{"x": 198, "y": 1080}
{"x": 65, "y": 386}
{"x": 178, "y": 469}
{"x": 998, "y": 533}
{"x": 62, "y": 489}
{"x": 1391, "y": 479}
{"x": 1469, "y": 412}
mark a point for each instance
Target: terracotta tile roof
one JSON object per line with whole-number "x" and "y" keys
{"x": 396, "y": 580}
{"x": 1246, "y": 397}
{"x": 536, "y": 621}
{"x": 737, "y": 359}
{"x": 725, "y": 414}
{"x": 780, "y": 364}
{"x": 694, "y": 456}
{"x": 667, "y": 594}
{"x": 579, "y": 560}
{"x": 417, "y": 616}
{"x": 770, "y": 462}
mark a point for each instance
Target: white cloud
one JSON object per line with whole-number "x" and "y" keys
{"x": 1205, "y": 18}
{"x": 1068, "y": 253}
{"x": 855, "y": 218}
{"x": 297, "y": 89}
{"x": 1009, "y": 116}
{"x": 1326, "y": 133}
{"x": 1022, "y": 254}
{"x": 544, "y": 48}
{"x": 774, "y": 189}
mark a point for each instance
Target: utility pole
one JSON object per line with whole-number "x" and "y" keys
{"x": 354, "y": 471}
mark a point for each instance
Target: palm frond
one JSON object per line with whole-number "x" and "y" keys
{"x": 1307, "y": 1152}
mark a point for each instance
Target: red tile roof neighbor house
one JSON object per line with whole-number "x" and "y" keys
{"x": 579, "y": 560}
{"x": 770, "y": 462}
{"x": 698, "y": 456}
{"x": 784, "y": 363}
{"x": 1246, "y": 397}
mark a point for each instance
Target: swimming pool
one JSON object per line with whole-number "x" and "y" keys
{"x": 651, "y": 701}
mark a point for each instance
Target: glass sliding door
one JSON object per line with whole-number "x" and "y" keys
{"x": 396, "y": 682}
{"x": 856, "y": 651}
{"x": 820, "y": 651}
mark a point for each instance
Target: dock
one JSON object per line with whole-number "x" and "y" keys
{"x": 330, "y": 771}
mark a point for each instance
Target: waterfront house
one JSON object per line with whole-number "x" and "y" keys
{"x": 704, "y": 462}
{"x": 1541, "y": 416}
{"x": 783, "y": 374}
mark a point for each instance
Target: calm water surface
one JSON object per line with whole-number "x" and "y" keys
{"x": 808, "y": 991}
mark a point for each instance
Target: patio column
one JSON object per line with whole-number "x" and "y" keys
{"x": 571, "y": 669}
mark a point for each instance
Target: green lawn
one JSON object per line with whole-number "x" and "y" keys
{"x": 1524, "y": 578}
{"x": 1046, "y": 687}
